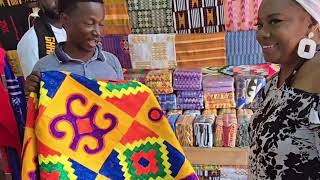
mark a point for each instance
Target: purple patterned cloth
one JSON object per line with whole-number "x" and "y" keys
{"x": 190, "y": 100}
{"x": 222, "y": 89}
{"x": 217, "y": 81}
{"x": 187, "y": 79}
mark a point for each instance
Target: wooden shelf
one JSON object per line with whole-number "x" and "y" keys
{"x": 217, "y": 156}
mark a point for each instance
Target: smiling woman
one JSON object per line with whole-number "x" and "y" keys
{"x": 285, "y": 130}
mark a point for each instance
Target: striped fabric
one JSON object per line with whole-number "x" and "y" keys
{"x": 241, "y": 15}
{"x": 119, "y": 46}
{"x": 198, "y": 16}
{"x": 116, "y": 17}
{"x": 243, "y": 48}
{"x": 152, "y": 51}
{"x": 151, "y": 17}
{"x": 14, "y": 62}
{"x": 200, "y": 50}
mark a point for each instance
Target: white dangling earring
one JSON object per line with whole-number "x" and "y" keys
{"x": 307, "y": 47}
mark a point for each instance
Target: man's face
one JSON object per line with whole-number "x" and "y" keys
{"x": 50, "y": 8}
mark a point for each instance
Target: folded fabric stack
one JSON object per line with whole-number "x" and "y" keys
{"x": 184, "y": 130}
{"x": 244, "y": 117}
{"x": 266, "y": 70}
{"x": 167, "y": 101}
{"x": 190, "y": 100}
{"x": 175, "y": 112}
{"x": 203, "y": 131}
{"x": 226, "y": 128}
{"x": 136, "y": 74}
{"x": 247, "y": 88}
{"x": 218, "y": 92}
{"x": 160, "y": 81}
{"x": 192, "y": 112}
{"x": 172, "y": 118}
{"x": 210, "y": 112}
{"x": 187, "y": 79}
{"x": 211, "y": 172}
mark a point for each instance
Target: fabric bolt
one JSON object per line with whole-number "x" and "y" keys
{"x": 190, "y": 106}
{"x": 13, "y": 23}
{"x": 211, "y": 172}
{"x": 222, "y": 89}
{"x": 203, "y": 131}
{"x": 175, "y": 112}
{"x": 225, "y": 70}
{"x": 167, "y": 101}
{"x": 119, "y": 46}
{"x": 116, "y": 19}
{"x": 172, "y": 121}
{"x": 190, "y": 100}
{"x": 187, "y": 79}
{"x": 152, "y": 51}
{"x": 218, "y": 81}
{"x": 230, "y": 127}
{"x": 198, "y": 16}
{"x": 151, "y": 17}
{"x": 241, "y": 15}
{"x": 136, "y": 74}
{"x": 221, "y": 100}
{"x": 210, "y": 112}
{"x": 242, "y": 48}
{"x": 160, "y": 81}
{"x": 243, "y": 138}
{"x": 184, "y": 130}
{"x": 218, "y": 132}
{"x": 266, "y": 70}
{"x": 200, "y": 50}
{"x": 75, "y": 129}
{"x": 190, "y": 94}
{"x": 192, "y": 112}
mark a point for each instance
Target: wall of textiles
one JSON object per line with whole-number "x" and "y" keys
{"x": 201, "y": 59}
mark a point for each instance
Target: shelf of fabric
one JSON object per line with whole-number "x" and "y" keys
{"x": 217, "y": 156}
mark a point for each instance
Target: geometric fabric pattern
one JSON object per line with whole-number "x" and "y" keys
{"x": 86, "y": 129}
{"x": 150, "y": 17}
{"x": 198, "y": 16}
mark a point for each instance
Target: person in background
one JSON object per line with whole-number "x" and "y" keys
{"x": 42, "y": 38}
{"x": 285, "y": 129}
{"x": 81, "y": 54}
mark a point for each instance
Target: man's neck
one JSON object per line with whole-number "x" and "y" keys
{"x": 76, "y": 53}
{"x": 55, "y": 22}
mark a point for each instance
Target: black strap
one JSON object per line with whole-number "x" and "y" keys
{"x": 46, "y": 39}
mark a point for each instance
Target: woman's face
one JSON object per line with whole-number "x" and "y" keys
{"x": 281, "y": 26}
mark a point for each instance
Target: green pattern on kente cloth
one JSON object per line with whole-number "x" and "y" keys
{"x": 146, "y": 148}
{"x": 58, "y": 167}
{"x": 120, "y": 85}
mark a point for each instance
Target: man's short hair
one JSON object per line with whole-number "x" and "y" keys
{"x": 67, "y": 6}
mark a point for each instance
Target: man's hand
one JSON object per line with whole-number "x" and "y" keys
{"x": 32, "y": 83}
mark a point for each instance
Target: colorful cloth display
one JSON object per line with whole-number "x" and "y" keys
{"x": 243, "y": 138}
{"x": 247, "y": 88}
{"x": 219, "y": 100}
{"x": 201, "y": 50}
{"x": 243, "y": 48}
{"x": 187, "y": 79}
{"x": 226, "y": 70}
{"x": 151, "y": 17}
{"x": 241, "y": 15}
{"x": 211, "y": 172}
{"x": 136, "y": 74}
{"x": 266, "y": 70}
{"x": 160, "y": 81}
{"x": 204, "y": 16}
{"x": 87, "y": 129}
{"x": 172, "y": 121}
{"x": 184, "y": 130}
{"x": 192, "y": 112}
{"x": 230, "y": 126}
{"x": 190, "y": 100}
{"x": 218, "y": 82}
{"x": 152, "y": 51}
{"x": 119, "y": 46}
{"x": 203, "y": 131}
{"x": 167, "y": 101}
{"x": 210, "y": 112}
{"x": 116, "y": 19}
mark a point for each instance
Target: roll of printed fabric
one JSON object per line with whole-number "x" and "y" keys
{"x": 247, "y": 88}
{"x": 187, "y": 79}
{"x": 192, "y": 112}
{"x": 184, "y": 130}
{"x": 217, "y": 81}
{"x": 160, "y": 81}
{"x": 203, "y": 131}
{"x": 243, "y": 116}
{"x": 167, "y": 101}
{"x": 172, "y": 121}
{"x": 221, "y": 100}
{"x": 136, "y": 74}
{"x": 230, "y": 127}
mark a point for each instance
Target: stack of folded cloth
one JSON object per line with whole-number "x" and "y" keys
{"x": 218, "y": 92}
{"x": 172, "y": 117}
{"x": 244, "y": 117}
{"x": 210, "y": 112}
{"x": 226, "y": 128}
{"x": 136, "y": 74}
{"x": 190, "y": 100}
{"x": 248, "y": 88}
{"x": 184, "y": 130}
{"x": 192, "y": 112}
{"x": 203, "y": 131}
{"x": 160, "y": 81}
{"x": 167, "y": 101}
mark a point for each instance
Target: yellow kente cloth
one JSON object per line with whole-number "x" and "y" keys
{"x": 85, "y": 129}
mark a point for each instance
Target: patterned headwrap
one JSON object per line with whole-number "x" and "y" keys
{"x": 312, "y": 7}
